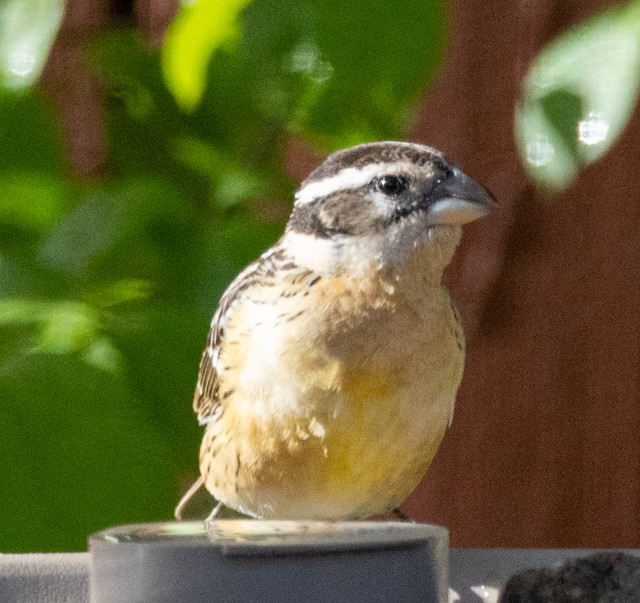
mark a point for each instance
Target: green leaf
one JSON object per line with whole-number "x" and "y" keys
{"x": 32, "y": 200}
{"x": 27, "y": 31}
{"x": 579, "y": 95}
{"x": 65, "y": 327}
{"x": 21, "y": 311}
{"x": 120, "y": 292}
{"x": 201, "y": 27}
{"x": 87, "y": 232}
{"x": 103, "y": 355}
{"x": 113, "y": 227}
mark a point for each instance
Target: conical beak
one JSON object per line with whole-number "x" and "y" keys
{"x": 459, "y": 199}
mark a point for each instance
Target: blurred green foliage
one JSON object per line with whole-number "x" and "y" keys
{"x": 107, "y": 288}
{"x": 578, "y": 96}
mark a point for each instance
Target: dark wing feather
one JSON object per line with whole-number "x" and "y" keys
{"x": 206, "y": 402}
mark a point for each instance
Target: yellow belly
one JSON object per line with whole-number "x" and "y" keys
{"x": 362, "y": 457}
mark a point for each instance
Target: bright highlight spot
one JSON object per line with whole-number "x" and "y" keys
{"x": 488, "y": 594}
{"x": 593, "y": 130}
{"x": 306, "y": 59}
{"x": 454, "y": 597}
{"x": 540, "y": 152}
{"x": 21, "y": 63}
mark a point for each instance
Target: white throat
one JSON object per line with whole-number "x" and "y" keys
{"x": 389, "y": 250}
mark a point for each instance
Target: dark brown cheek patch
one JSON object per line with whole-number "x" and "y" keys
{"x": 305, "y": 219}
{"x": 351, "y": 214}
{"x": 344, "y": 213}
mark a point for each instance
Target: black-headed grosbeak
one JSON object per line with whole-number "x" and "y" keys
{"x": 333, "y": 361}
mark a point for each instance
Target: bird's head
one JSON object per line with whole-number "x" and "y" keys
{"x": 377, "y": 204}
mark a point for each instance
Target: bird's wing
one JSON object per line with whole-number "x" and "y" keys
{"x": 206, "y": 402}
{"x": 265, "y": 273}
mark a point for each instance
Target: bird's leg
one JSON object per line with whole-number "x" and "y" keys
{"x": 213, "y": 514}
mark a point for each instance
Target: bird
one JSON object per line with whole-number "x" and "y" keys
{"x": 332, "y": 364}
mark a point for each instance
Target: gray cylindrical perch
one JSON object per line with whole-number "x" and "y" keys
{"x": 247, "y": 560}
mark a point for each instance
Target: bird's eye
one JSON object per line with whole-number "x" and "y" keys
{"x": 391, "y": 185}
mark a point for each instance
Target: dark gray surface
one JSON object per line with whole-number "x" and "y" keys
{"x": 249, "y": 561}
{"x": 44, "y": 578}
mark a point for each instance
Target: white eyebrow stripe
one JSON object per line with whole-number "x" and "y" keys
{"x": 349, "y": 178}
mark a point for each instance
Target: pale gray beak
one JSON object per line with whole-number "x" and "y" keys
{"x": 459, "y": 199}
